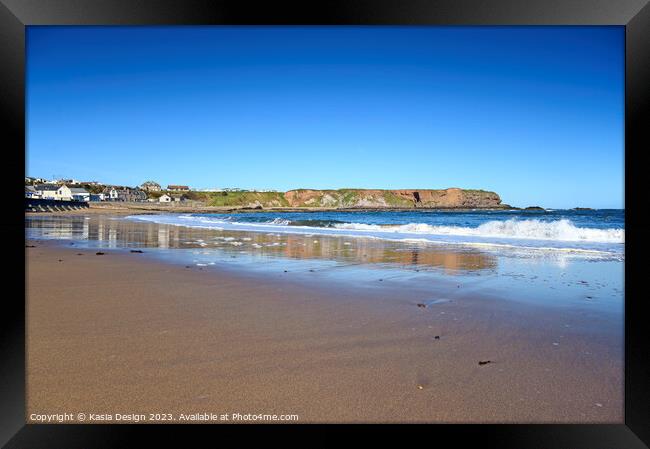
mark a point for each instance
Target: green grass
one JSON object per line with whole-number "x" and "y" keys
{"x": 394, "y": 200}
{"x": 266, "y": 199}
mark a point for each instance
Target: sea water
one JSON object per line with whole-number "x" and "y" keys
{"x": 567, "y": 258}
{"x": 591, "y": 233}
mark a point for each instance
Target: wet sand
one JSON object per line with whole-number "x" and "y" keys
{"x": 124, "y": 333}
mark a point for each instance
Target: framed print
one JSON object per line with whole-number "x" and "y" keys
{"x": 362, "y": 213}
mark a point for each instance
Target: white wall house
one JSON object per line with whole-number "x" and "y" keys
{"x": 80, "y": 194}
{"x": 54, "y": 192}
{"x": 165, "y": 199}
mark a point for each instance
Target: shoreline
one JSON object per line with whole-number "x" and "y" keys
{"x": 124, "y": 333}
{"x": 123, "y": 208}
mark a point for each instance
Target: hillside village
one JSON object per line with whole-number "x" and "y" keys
{"x": 93, "y": 191}
{"x": 84, "y": 193}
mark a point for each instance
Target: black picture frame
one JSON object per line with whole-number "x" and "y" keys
{"x": 15, "y": 15}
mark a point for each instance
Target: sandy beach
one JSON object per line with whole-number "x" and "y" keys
{"x": 126, "y": 333}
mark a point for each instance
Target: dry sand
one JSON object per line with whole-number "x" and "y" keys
{"x": 122, "y": 333}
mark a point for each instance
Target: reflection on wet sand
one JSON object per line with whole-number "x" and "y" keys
{"x": 111, "y": 232}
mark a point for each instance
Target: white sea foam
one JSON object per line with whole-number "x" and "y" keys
{"x": 563, "y": 230}
{"x": 559, "y": 235}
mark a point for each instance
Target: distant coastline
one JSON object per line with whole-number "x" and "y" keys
{"x": 341, "y": 199}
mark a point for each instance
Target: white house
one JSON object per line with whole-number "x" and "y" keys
{"x": 165, "y": 199}
{"x": 54, "y": 192}
{"x": 110, "y": 194}
{"x": 80, "y": 194}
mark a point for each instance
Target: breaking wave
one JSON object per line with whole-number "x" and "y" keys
{"x": 563, "y": 230}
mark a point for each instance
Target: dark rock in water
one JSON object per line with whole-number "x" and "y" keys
{"x": 582, "y": 208}
{"x": 311, "y": 271}
{"x": 422, "y": 305}
{"x": 534, "y": 208}
{"x": 286, "y": 271}
{"x": 99, "y": 254}
{"x": 380, "y": 280}
{"x": 136, "y": 251}
{"x": 484, "y": 362}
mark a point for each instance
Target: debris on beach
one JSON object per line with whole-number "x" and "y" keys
{"x": 422, "y": 305}
{"x": 80, "y": 254}
{"x": 437, "y": 337}
{"x": 484, "y": 362}
{"x": 420, "y": 387}
{"x": 136, "y": 251}
{"x": 60, "y": 260}
{"x": 30, "y": 246}
{"x": 99, "y": 253}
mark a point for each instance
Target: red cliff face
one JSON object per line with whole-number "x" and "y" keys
{"x": 405, "y": 198}
{"x": 452, "y": 197}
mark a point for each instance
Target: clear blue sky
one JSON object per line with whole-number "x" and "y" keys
{"x": 533, "y": 113}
